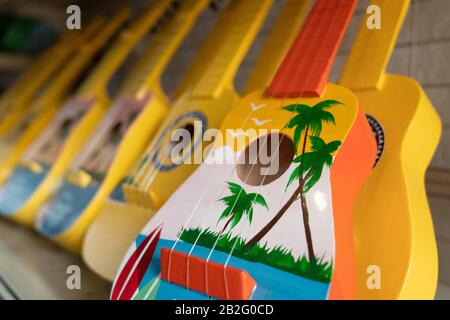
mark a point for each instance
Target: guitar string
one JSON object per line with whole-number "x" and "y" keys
{"x": 226, "y": 20}
{"x": 311, "y": 72}
{"x": 192, "y": 214}
{"x": 173, "y": 117}
{"x": 137, "y": 75}
{"x": 150, "y": 179}
{"x": 205, "y": 189}
{"x": 228, "y": 17}
{"x": 282, "y": 102}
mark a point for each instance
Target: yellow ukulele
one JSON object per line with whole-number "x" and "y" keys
{"x": 119, "y": 223}
{"x": 121, "y": 137}
{"x": 19, "y": 97}
{"x": 46, "y": 160}
{"x": 393, "y": 227}
{"x": 208, "y": 101}
{"x": 39, "y": 71}
{"x": 268, "y": 215}
{"x": 37, "y": 116}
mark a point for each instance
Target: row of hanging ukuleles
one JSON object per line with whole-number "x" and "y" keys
{"x": 347, "y": 196}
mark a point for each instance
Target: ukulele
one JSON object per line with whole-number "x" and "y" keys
{"x": 45, "y": 162}
{"x": 33, "y": 81}
{"x": 38, "y": 115}
{"x": 393, "y": 225}
{"x": 78, "y": 211}
{"x": 120, "y": 139}
{"x": 254, "y": 224}
{"x": 118, "y": 223}
{"x": 22, "y": 92}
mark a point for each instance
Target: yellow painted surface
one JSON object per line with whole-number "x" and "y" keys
{"x": 41, "y": 112}
{"x": 211, "y": 92}
{"x": 393, "y": 225}
{"x": 145, "y": 77}
{"x": 93, "y": 89}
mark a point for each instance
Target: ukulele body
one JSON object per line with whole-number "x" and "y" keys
{"x": 167, "y": 176}
{"x": 277, "y": 262}
{"x": 48, "y": 159}
{"x": 18, "y": 100}
{"x": 21, "y": 198}
{"x": 393, "y": 225}
{"x": 18, "y": 103}
{"x": 209, "y": 113}
{"x": 65, "y": 215}
{"x": 13, "y": 150}
{"x": 30, "y": 122}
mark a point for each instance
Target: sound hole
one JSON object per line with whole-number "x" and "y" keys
{"x": 115, "y": 134}
{"x": 378, "y": 133}
{"x": 265, "y": 159}
{"x": 185, "y": 144}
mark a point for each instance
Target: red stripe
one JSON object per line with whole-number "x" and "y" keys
{"x": 133, "y": 284}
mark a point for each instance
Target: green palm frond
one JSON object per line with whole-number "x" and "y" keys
{"x": 313, "y": 162}
{"x": 297, "y": 136}
{"x": 316, "y": 173}
{"x": 296, "y": 108}
{"x": 229, "y": 200}
{"x": 225, "y": 214}
{"x": 299, "y": 121}
{"x": 333, "y": 146}
{"x": 327, "y": 104}
{"x": 250, "y": 215}
{"x": 237, "y": 218}
{"x": 327, "y": 117}
{"x": 317, "y": 143}
{"x": 310, "y": 117}
{"x": 295, "y": 176}
{"x": 235, "y": 188}
{"x": 258, "y": 199}
{"x": 240, "y": 204}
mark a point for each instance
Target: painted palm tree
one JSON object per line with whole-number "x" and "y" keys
{"x": 308, "y": 122}
{"x": 239, "y": 205}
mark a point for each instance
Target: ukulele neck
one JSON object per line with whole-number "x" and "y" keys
{"x": 305, "y": 69}
{"x": 147, "y": 72}
{"x": 89, "y": 48}
{"x": 121, "y": 48}
{"x": 368, "y": 60}
{"x": 284, "y": 31}
{"x": 229, "y": 42}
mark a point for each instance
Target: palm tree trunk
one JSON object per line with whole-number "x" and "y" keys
{"x": 226, "y": 225}
{"x": 273, "y": 222}
{"x": 309, "y": 242}
{"x": 304, "y": 204}
{"x": 277, "y": 217}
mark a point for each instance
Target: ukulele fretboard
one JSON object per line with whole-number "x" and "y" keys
{"x": 284, "y": 31}
{"x": 305, "y": 70}
{"x": 150, "y": 67}
{"x": 240, "y": 22}
{"x": 121, "y": 48}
